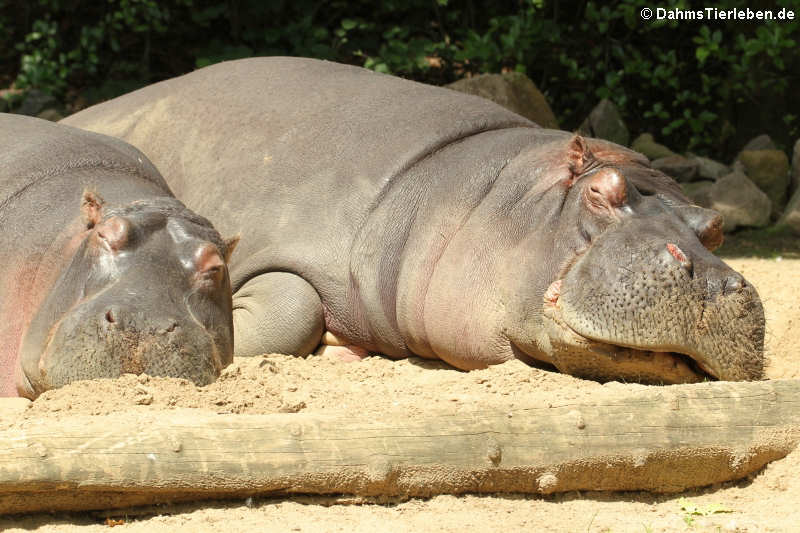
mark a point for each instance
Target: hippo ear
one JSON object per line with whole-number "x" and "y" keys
{"x": 579, "y": 157}
{"x": 230, "y": 246}
{"x": 92, "y": 208}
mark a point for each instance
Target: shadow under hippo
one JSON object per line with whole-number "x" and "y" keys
{"x": 386, "y": 215}
{"x": 103, "y": 271}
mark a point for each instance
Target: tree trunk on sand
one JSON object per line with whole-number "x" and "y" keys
{"x": 662, "y": 439}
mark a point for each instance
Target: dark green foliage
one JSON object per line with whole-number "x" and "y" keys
{"x": 700, "y": 85}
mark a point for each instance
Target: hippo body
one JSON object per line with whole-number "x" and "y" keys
{"x": 408, "y": 219}
{"x": 98, "y": 266}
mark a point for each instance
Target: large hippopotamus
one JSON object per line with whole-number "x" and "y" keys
{"x": 103, "y": 271}
{"x": 395, "y": 217}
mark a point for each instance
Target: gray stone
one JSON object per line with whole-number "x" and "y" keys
{"x": 34, "y": 102}
{"x": 769, "y": 170}
{"x": 791, "y": 215}
{"x": 53, "y": 115}
{"x": 708, "y": 169}
{"x": 514, "y": 91}
{"x": 762, "y": 142}
{"x": 645, "y": 144}
{"x": 699, "y": 192}
{"x": 678, "y": 167}
{"x": 739, "y": 202}
{"x": 605, "y": 122}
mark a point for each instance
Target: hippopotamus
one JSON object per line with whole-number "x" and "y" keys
{"x": 384, "y": 215}
{"x": 103, "y": 271}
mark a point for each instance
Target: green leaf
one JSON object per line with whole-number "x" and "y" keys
{"x": 712, "y": 508}
{"x": 687, "y": 506}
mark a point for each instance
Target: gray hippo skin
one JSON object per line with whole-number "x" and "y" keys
{"x": 102, "y": 270}
{"x": 408, "y": 219}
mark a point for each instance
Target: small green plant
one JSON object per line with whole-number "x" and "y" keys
{"x": 42, "y": 64}
{"x": 693, "y": 510}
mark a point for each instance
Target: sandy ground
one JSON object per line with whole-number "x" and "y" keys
{"x": 768, "y": 501}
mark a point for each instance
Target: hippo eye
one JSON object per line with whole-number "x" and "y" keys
{"x": 113, "y": 233}
{"x": 606, "y": 189}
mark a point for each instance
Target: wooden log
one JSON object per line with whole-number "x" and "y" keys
{"x": 662, "y": 439}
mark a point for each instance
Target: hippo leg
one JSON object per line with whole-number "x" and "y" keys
{"x": 277, "y": 312}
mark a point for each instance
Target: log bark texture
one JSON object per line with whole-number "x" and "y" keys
{"x": 663, "y": 439}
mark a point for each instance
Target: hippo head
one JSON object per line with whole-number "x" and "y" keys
{"x": 632, "y": 290}
{"x": 146, "y": 291}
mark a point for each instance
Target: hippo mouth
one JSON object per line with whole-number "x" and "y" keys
{"x": 594, "y": 358}
{"x": 85, "y": 344}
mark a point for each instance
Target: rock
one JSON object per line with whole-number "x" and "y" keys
{"x": 791, "y": 215}
{"x": 740, "y": 202}
{"x": 514, "y": 91}
{"x": 605, "y": 122}
{"x": 699, "y": 192}
{"x": 645, "y": 144}
{"x": 762, "y": 142}
{"x": 34, "y": 102}
{"x": 708, "y": 169}
{"x": 678, "y": 167}
{"x": 769, "y": 170}
{"x": 53, "y": 115}
{"x": 795, "y": 183}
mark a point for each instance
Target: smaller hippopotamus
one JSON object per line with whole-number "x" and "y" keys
{"x": 102, "y": 270}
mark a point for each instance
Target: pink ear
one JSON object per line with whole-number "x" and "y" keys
{"x": 579, "y": 157}
{"x": 92, "y": 208}
{"x": 607, "y": 188}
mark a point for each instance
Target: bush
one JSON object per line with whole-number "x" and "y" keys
{"x": 704, "y": 86}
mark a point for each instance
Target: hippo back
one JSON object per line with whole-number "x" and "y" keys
{"x": 32, "y": 153}
{"x": 260, "y": 112}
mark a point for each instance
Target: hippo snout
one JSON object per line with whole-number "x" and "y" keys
{"x": 651, "y": 301}
{"x": 99, "y": 339}
{"x": 117, "y": 341}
